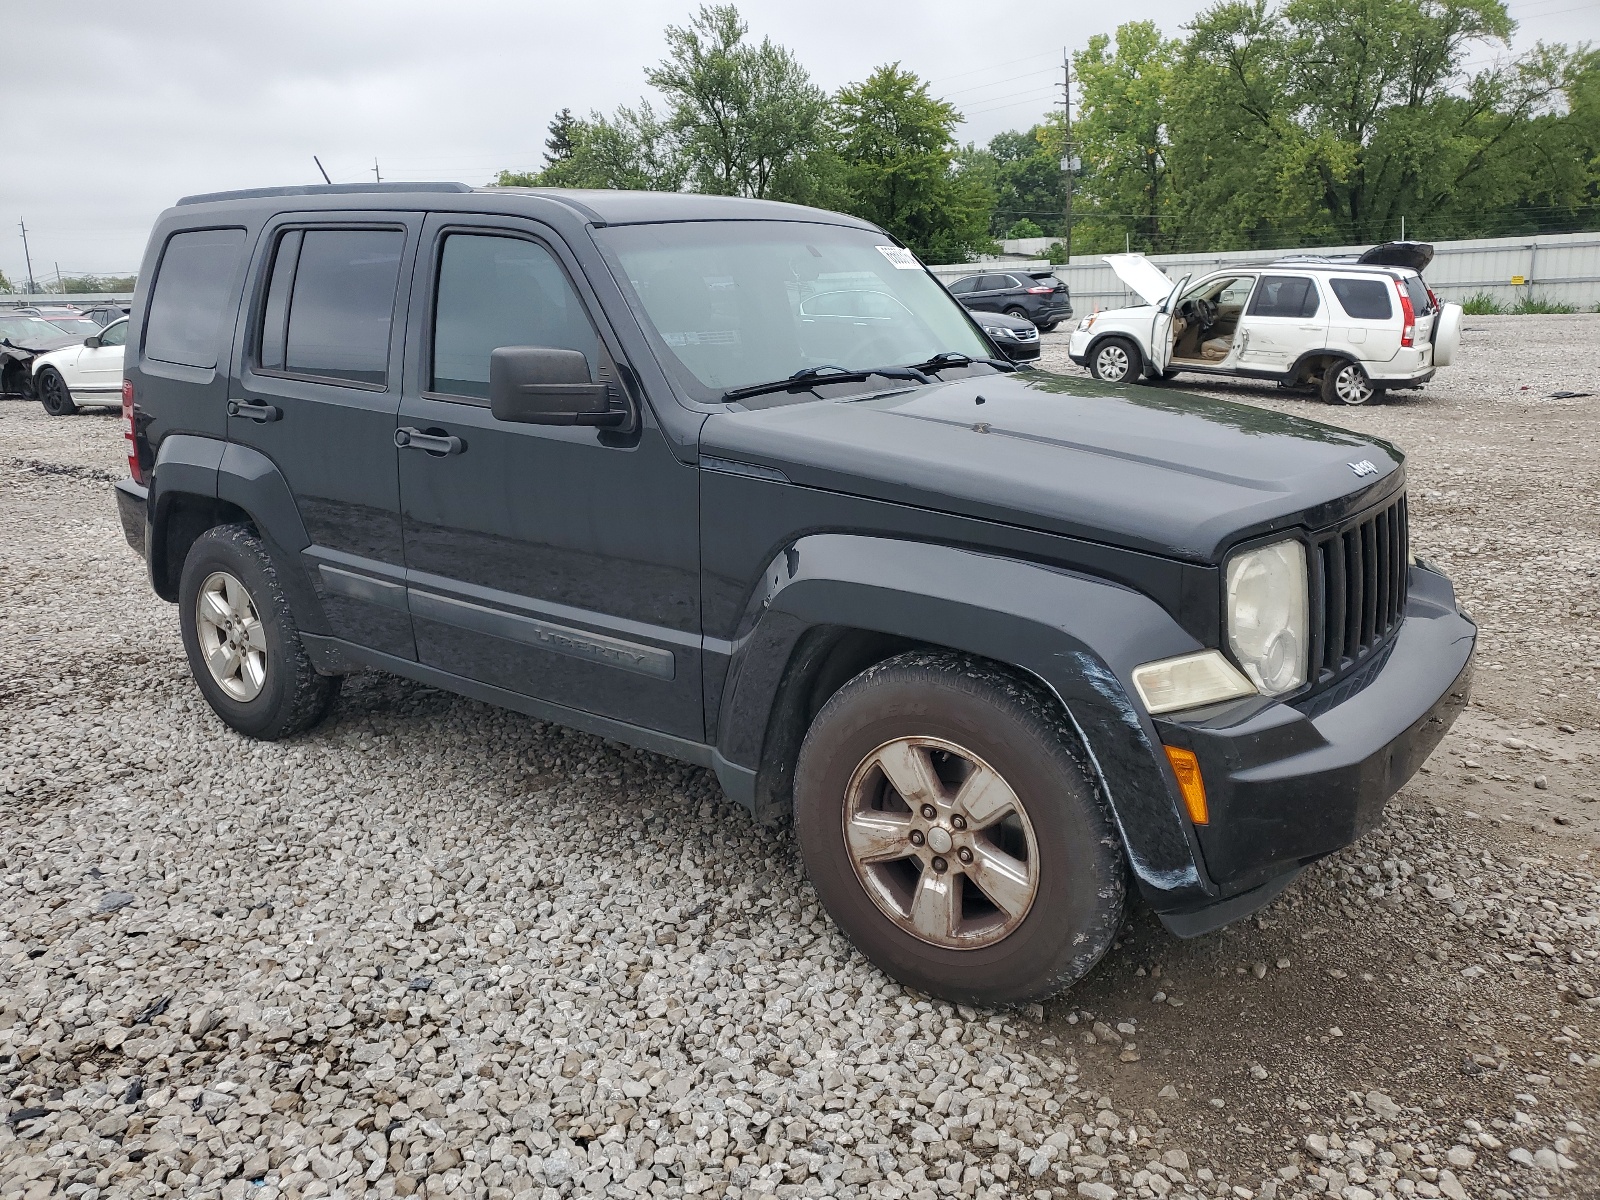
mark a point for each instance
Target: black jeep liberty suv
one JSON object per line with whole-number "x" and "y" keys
{"x": 741, "y": 483}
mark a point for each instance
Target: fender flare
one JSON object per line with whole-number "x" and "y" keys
{"x": 247, "y": 480}
{"x": 1324, "y": 352}
{"x": 1076, "y": 634}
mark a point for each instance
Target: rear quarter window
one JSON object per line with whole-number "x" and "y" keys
{"x": 1364, "y": 299}
{"x": 1421, "y": 303}
{"x": 193, "y": 290}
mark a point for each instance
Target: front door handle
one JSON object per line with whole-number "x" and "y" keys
{"x": 439, "y": 444}
{"x": 259, "y": 413}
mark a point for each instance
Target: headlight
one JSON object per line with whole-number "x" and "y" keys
{"x": 997, "y": 332}
{"x": 1086, "y": 324}
{"x": 1189, "y": 681}
{"x": 1268, "y": 626}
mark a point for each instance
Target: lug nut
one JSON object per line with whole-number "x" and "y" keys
{"x": 964, "y": 854}
{"x": 958, "y": 822}
{"x": 929, "y": 812}
{"x": 940, "y": 865}
{"x": 916, "y": 837}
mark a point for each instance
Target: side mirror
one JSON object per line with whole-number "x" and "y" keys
{"x": 93, "y": 341}
{"x": 541, "y": 385}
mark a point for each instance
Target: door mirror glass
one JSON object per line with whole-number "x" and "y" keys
{"x": 546, "y": 385}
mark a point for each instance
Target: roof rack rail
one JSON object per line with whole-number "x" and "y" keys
{"x": 323, "y": 189}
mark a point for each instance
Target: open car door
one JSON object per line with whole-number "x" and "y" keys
{"x": 1161, "y": 328}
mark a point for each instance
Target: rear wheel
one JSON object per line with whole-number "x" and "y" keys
{"x": 53, "y": 392}
{"x": 1049, "y": 327}
{"x": 1020, "y": 313}
{"x": 1114, "y": 360}
{"x": 243, "y": 646}
{"x": 1347, "y": 383}
{"x": 952, "y": 834}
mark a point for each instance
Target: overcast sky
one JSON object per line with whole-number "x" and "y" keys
{"x": 116, "y": 110}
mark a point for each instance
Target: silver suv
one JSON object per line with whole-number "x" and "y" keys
{"x": 1352, "y": 327}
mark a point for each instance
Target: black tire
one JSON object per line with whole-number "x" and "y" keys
{"x": 1345, "y": 382}
{"x": 1006, "y": 724}
{"x": 293, "y": 696}
{"x": 1020, "y": 313}
{"x": 53, "y": 392}
{"x": 1049, "y": 327}
{"x": 1116, "y": 360}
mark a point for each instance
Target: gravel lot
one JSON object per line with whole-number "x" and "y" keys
{"x": 438, "y": 949}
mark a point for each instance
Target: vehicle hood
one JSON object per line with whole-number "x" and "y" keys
{"x": 1416, "y": 255}
{"x": 991, "y": 320}
{"x": 1147, "y": 469}
{"x": 29, "y": 346}
{"x": 1142, "y": 276}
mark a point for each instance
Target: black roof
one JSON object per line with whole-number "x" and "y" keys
{"x": 597, "y": 206}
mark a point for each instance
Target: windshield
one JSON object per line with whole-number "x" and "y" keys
{"x": 736, "y": 303}
{"x": 75, "y": 325}
{"x": 29, "y": 329}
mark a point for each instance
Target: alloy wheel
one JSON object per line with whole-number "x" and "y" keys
{"x": 1111, "y": 363}
{"x": 941, "y": 843}
{"x": 1352, "y": 385}
{"x": 232, "y": 640}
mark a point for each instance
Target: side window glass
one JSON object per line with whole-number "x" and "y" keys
{"x": 342, "y": 304}
{"x": 1364, "y": 299}
{"x": 1236, "y": 293}
{"x": 1284, "y": 296}
{"x": 962, "y": 286}
{"x": 275, "y": 313}
{"x": 501, "y": 291}
{"x": 194, "y": 285}
{"x": 116, "y": 335}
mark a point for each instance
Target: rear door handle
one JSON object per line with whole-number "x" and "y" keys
{"x": 440, "y": 444}
{"x": 259, "y": 413}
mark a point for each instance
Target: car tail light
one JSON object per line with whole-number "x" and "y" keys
{"x": 1040, "y": 291}
{"x": 130, "y": 433}
{"x": 1408, "y": 335}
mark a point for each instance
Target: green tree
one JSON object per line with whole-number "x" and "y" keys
{"x": 741, "y": 113}
{"x": 631, "y": 149}
{"x": 1027, "y": 180}
{"x": 898, "y": 146}
{"x": 1122, "y": 135}
{"x": 558, "y": 147}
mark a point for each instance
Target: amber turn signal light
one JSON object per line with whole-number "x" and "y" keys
{"x": 1187, "y": 768}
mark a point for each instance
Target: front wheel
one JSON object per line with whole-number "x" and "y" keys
{"x": 1115, "y": 360}
{"x": 1347, "y": 383}
{"x": 53, "y": 393}
{"x": 953, "y": 835}
{"x": 240, "y": 635}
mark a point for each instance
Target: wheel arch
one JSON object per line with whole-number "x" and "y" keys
{"x": 198, "y": 483}
{"x": 834, "y": 604}
{"x": 1316, "y": 361}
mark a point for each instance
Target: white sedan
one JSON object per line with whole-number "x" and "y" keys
{"x": 78, "y": 375}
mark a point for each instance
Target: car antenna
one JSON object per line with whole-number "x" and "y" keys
{"x": 323, "y": 169}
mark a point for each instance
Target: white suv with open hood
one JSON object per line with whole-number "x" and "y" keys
{"x": 1353, "y": 327}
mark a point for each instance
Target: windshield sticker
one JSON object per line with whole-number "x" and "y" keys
{"x": 901, "y": 258}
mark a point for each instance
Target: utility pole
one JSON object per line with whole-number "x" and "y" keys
{"x": 375, "y": 170}
{"x": 60, "y": 287}
{"x": 32, "y": 290}
{"x": 1069, "y": 163}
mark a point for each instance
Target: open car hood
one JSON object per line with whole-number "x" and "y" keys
{"x": 1415, "y": 255}
{"x": 1142, "y": 275}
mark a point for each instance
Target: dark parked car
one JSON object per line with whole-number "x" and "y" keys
{"x": 22, "y": 337}
{"x": 1017, "y": 338}
{"x": 103, "y": 314}
{"x": 1037, "y": 296}
{"x": 1000, "y": 642}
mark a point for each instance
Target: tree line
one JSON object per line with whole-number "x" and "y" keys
{"x": 1262, "y": 125}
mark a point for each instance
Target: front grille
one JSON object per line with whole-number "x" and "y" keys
{"x": 1359, "y": 585}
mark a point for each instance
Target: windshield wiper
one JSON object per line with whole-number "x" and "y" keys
{"x": 954, "y": 358}
{"x": 809, "y": 377}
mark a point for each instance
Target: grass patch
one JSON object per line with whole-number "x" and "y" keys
{"x": 1482, "y": 304}
{"x": 1531, "y": 305}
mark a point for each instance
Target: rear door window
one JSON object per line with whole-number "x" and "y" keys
{"x": 962, "y": 286}
{"x": 498, "y": 291}
{"x": 1284, "y": 296}
{"x": 1364, "y": 299}
{"x": 333, "y": 291}
{"x": 193, "y": 290}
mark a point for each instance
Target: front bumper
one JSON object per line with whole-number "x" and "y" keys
{"x": 1288, "y": 783}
